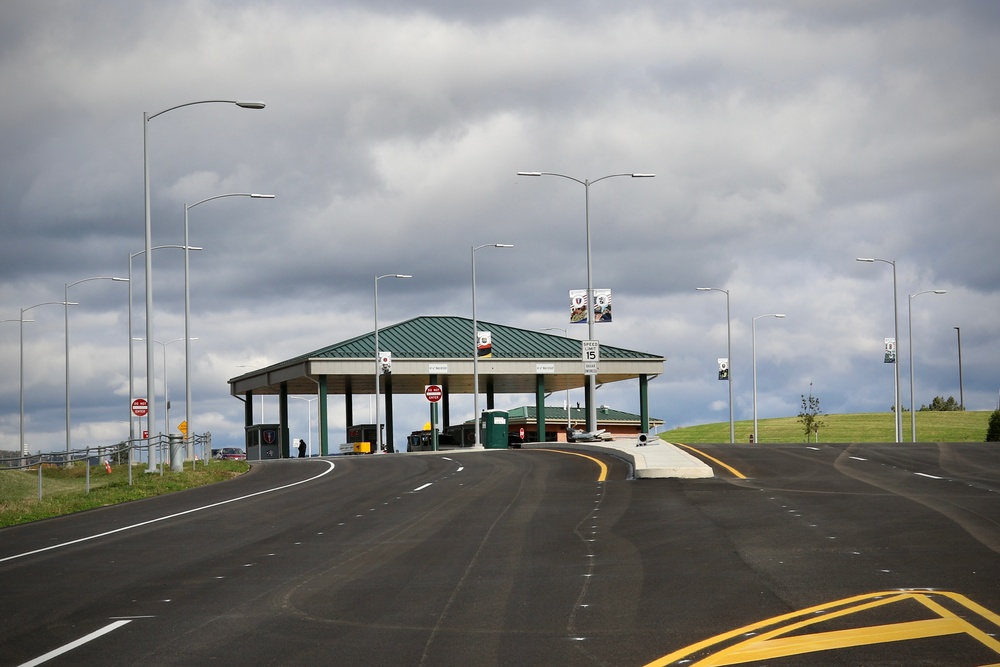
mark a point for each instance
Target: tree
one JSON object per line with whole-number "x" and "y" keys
{"x": 993, "y": 431}
{"x": 941, "y": 405}
{"x": 808, "y": 415}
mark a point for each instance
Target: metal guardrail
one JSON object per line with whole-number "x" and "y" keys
{"x": 104, "y": 455}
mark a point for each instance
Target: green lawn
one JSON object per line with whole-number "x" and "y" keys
{"x": 874, "y": 427}
{"x": 64, "y": 488}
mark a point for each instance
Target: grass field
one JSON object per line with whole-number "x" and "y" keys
{"x": 873, "y": 427}
{"x": 64, "y": 488}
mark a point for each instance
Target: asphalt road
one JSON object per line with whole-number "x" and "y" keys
{"x": 821, "y": 555}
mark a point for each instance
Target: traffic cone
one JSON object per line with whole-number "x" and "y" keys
{"x": 107, "y": 467}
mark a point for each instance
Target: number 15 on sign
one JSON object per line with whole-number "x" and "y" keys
{"x": 591, "y": 356}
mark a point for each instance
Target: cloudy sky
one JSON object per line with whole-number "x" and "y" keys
{"x": 787, "y": 139}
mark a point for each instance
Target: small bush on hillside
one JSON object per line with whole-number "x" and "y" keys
{"x": 993, "y": 431}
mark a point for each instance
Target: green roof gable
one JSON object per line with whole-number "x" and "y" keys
{"x": 448, "y": 337}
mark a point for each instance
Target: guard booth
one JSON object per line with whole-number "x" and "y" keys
{"x": 493, "y": 429}
{"x": 264, "y": 442}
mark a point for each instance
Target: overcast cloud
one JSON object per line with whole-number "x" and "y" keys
{"x": 787, "y": 139}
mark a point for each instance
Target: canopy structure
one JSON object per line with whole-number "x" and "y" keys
{"x": 439, "y": 350}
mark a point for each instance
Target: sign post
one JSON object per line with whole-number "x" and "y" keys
{"x": 433, "y": 393}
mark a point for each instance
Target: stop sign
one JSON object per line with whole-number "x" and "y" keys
{"x": 433, "y": 392}
{"x": 140, "y": 407}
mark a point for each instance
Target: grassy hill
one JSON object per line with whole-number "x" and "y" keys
{"x": 873, "y": 427}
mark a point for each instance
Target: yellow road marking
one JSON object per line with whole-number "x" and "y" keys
{"x": 604, "y": 468}
{"x": 731, "y": 469}
{"x": 779, "y": 642}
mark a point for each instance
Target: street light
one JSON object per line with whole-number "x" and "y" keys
{"x": 569, "y": 419}
{"x": 586, "y": 183}
{"x": 131, "y": 360}
{"x": 166, "y": 386}
{"x": 909, "y": 323}
{"x": 961, "y": 390}
{"x": 475, "y": 339}
{"x": 146, "y": 117}
{"x": 189, "y": 440}
{"x": 895, "y": 320}
{"x": 309, "y": 401}
{"x": 753, "y": 351}
{"x": 24, "y": 448}
{"x": 378, "y": 363}
{"x": 66, "y": 332}
{"x": 729, "y": 352}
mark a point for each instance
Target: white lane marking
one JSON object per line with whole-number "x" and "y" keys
{"x": 421, "y": 488}
{"x": 923, "y": 474}
{"x": 460, "y": 468}
{"x": 169, "y": 516}
{"x": 72, "y": 645}
{"x": 858, "y": 458}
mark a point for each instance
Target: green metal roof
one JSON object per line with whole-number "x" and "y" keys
{"x": 448, "y": 337}
{"x": 557, "y": 414}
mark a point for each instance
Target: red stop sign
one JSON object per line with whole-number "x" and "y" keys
{"x": 433, "y": 392}
{"x": 140, "y": 407}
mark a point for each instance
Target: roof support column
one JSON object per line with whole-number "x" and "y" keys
{"x": 324, "y": 431}
{"x": 388, "y": 414}
{"x": 248, "y": 409}
{"x": 445, "y": 405}
{"x": 643, "y": 404}
{"x": 348, "y": 405}
{"x": 540, "y": 405}
{"x": 588, "y": 401}
{"x": 434, "y": 417}
{"x": 283, "y": 420}
{"x": 491, "y": 393}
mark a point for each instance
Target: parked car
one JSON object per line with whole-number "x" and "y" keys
{"x": 232, "y": 453}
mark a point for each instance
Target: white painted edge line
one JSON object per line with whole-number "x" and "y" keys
{"x": 924, "y": 474}
{"x": 421, "y": 488}
{"x": 169, "y": 516}
{"x": 72, "y": 645}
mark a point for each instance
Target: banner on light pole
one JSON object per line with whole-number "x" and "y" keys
{"x": 578, "y": 310}
{"x": 890, "y": 350}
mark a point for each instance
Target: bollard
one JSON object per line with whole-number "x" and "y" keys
{"x": 176, "y": 452}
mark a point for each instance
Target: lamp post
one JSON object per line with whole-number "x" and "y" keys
{"x": 166, "y": 387}
{"x": 309, "y": 401}
{"x": 909, "y": 324}
{"x": 146, "y": 117}
{"x": 961, "y": 390}
{"x": 895, "y": 320}
{"x": 23, "y": 446}
{"x": 189, "y": 431}
{"x": 586, "y": 183}
{"x": 378, "y": 362}
{"x": 753, "y": 352}
{"x": 475, "y": 340}
{"x": 569, "y": 419}
{"x": 131, "y": 359}
{"x": 66, "y": 336}
{"x": 729, "y": 353}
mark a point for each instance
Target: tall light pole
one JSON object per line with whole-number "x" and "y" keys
{"x": 309, "y": 422}
{"x": 569, "y": 418}
{"x": 66, "y": 332}
{"x": 131, "y": 359}
{"x": 146, "y": 117}
{"x": 961, "y": 390}
{"x": 166, "y": 386}
{"x": 378, "y": 363}
{"x": 729, "y": 353}
{"x": 24, "y": 447}
{"x": 753, "y": 352}
{"x": 188, "y": 430}
{"x": 909, "y": 324}
{"x": 475, "y": 339}
{"x": 895, "y": 320}
{"x": 586, "y": 183}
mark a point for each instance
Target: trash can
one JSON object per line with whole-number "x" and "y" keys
{"x": 493, "y": 429}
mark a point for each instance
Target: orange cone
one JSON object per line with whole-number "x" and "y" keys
{"x": 107, "y": 467}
